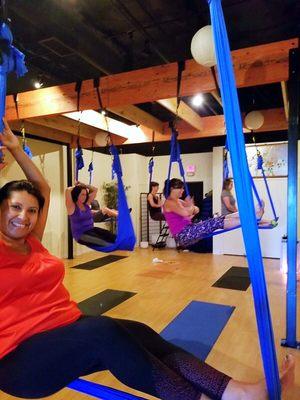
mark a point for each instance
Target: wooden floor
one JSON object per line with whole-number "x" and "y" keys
{"x": 163, "y": 290}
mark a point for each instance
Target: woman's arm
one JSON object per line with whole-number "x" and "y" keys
{"x": 179, "y": 208}
{"x": 92, "y": 192}
{"x": 31, "y": 172}
{"x": 151, "y": 201}
{"x": 70, "y": 205}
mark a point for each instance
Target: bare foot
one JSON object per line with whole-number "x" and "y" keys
{"x": 257, "y": 391}
{"x": 260, "y": 209}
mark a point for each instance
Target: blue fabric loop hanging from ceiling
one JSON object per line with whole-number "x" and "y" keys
{"x": 175, "y": 156}
{"x": 241, "y": 175}
{"x": 12, "y": 60}
{"x": 125, "y": 233}
{"x": 260, "y": 162}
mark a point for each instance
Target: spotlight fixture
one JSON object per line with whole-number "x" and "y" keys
{"x": 38, "y": 83}
{"x": 103, "y": 112}
{"x": 198, "y": 100}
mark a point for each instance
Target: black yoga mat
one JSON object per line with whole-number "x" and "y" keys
{"x": 104, "y": 301}
{"x": 236, "y": 278}
{"x": 99, "y": 262}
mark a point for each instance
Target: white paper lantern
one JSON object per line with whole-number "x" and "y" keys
{"x": 254, "y": 120}
{"x": 203, "y": 47}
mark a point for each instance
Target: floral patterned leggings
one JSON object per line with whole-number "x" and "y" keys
{"x": 196, "y": 231}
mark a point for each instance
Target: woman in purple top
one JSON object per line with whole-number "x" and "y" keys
{"x": 78, "y": 203}
{"x": 179, "y": 213}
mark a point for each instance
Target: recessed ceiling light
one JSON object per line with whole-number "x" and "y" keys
{"x": 198, "y": 100}
{"x": 38, "y": 84}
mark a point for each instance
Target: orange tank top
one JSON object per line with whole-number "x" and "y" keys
{"x": 33, "y": 298}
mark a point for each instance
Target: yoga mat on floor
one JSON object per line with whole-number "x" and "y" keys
{"x": 197, "y": 327}
{"x": 104, "y": 301}
{"x": 99, "y": 262}
{"x": 236, "y": 278}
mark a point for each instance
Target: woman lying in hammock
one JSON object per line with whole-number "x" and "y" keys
{"x": 78, "y": 202}
{"x": 179, "y": 213}
{"x": 45, "y": 340}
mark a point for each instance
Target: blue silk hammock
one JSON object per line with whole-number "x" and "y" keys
{"x": 243, "y": 185}
{"x": 151, "y": 161}
{"x": 79, "y": 162}
{"x": 274, "y": 222}
{"x": 11, "y": 60}
{"x": 125, "y": 239}
{"x": 175, "y": 156}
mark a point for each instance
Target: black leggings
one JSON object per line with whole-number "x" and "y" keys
{"x": 133, "y": 352}
{"x": 97, "y": 236}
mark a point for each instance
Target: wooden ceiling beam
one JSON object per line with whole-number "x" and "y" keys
{"x": 138, "y": 117}
{"x": 41, "y": 131}
{"x": 59, "y": 128}
{"x": 285, "y": 99}
{"x": 184, "y": 112}
{"x": 64, "y": 124}
{"x": 258, "y": 65}
{"x": 213, "y": 126}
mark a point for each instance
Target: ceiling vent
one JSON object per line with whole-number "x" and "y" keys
{"x": 57, "y": 47}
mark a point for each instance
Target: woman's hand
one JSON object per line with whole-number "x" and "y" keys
{"x": 8, "y": 139}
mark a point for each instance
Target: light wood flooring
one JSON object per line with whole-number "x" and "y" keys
{"x": 164, "y": 289}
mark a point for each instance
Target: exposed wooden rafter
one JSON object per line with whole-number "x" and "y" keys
{"x": 138, "y": 117}
{"x": 184, "y": 112}
{"x": 274, "y": 120}
{"x": 285, "y": 99}
{"x": 258, "y": 65}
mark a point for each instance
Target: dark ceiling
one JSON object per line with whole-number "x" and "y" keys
{"x": 70, "y": 40}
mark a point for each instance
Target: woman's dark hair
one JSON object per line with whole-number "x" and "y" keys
{"x": 152, "y": 185}
{"x": 226, "y": 183}
{"x": 173, "y": 184}
{"x": 20, "y": 186}
{"x": 75, "y": 192}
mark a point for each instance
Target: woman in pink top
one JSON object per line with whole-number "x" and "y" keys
{"x": 45, "y": 341}
{"x": 179, "y": 214}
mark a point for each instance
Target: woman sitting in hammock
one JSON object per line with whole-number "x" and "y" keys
{"x": 78, "y": 202}
{"x": 155, "y": 203}
{"x": 179, "y": 213}
{"x": 45, "y": 340}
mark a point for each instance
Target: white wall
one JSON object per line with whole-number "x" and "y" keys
{"x": 202, "y": 161}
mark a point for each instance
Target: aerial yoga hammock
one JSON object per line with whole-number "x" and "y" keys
{"x": 243, "y": 185}
{"x": 270, "y": 224}
{"x": 11, "y": 60}
{"x": 153, "y": 199}
{"x": 125, "y": 238}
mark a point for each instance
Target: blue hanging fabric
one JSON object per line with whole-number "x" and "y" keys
{"x": 100, "y": 391}
{"x": 225, "y": 164}
{"x": 26, "y": 148}
{"x": 91, "y": 169}
{"x": 79, "y": 162}
{"x": 260, "y": 163}
{"x": 125, "y": 233}
{"x": 175, "y": 156}
{"x": 150, "y": 170}
{"x": 236, "y": 145}
{"x": 11, "y": 60}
